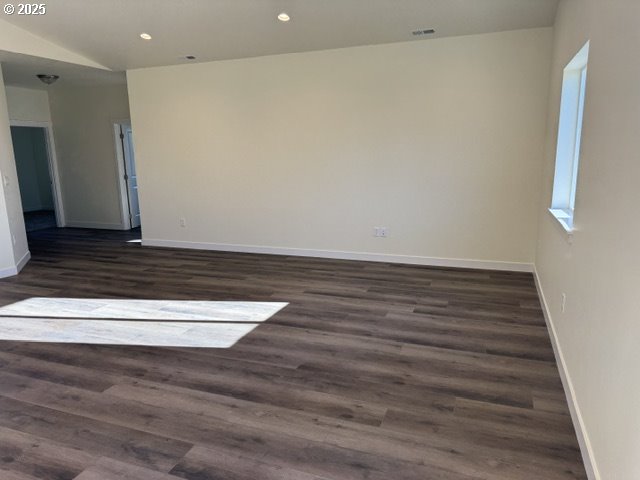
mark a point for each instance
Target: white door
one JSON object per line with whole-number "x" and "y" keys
{"x": 130, "y": 175}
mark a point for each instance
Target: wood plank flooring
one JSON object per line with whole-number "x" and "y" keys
{"x": 157, "y": 323}
{"x": 372, "y": 372}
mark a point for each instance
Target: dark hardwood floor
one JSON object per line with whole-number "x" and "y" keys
{"x": 374, "y": 371}
{"x": 39, "y": 220}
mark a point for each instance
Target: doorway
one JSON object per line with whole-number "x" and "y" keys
{"x": 130, "y": 204}
{"x": 37, "y": 175}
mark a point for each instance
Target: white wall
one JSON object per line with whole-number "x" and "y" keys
{"x": 82, "y": 119}
{"x": 14, "y": 251}
{"x": 439, "y": 141}
{"x": 599, "y": 333}
{"x": 28, "y": 105}
{"x": 83, "y": 128}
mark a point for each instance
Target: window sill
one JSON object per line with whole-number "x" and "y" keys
{"x": 564, "y": 218}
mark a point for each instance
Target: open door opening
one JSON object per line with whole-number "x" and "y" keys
{"x": 130, "y": 204}
{"x": 37, "y": 177}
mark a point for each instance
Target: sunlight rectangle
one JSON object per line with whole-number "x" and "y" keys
{"x": 133, "y": 309}
{"x": 161, "y": 323}
{"x": 124, "y": 332}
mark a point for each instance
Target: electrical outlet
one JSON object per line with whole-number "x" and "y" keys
{"x": 183, "y": 222}
{"x": 564, "y": 302}
{"x": 380, "y": 232}
{"x": 383, "y": 232}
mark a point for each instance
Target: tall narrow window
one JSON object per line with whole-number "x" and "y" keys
{"x": 574, "y": 86}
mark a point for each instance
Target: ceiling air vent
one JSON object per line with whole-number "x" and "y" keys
{"x": 419, "y": 33}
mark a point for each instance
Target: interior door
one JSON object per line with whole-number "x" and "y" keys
{"x": 131, "y": 176}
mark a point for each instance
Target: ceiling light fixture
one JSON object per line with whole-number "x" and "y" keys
{"x": 145, "y": 36}
{"x": 190, "y": 57}
{"x": 284, "y": 17}
{"x": 48, "y": 79}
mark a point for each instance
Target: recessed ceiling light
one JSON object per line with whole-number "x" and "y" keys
{"x": 284, "y": 17}
{"x": 145, "y": 36}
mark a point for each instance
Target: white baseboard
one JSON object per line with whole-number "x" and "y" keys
{"x": 8, "y": 272}
{"x": 23, "y": 261}
{"x": 576, "y": 416}
{"x": 95, "y": 225}
{"x": 11, "y": 271}
{"x": 340, "y": 255}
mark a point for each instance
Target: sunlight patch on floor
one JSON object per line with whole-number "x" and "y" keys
{"x": 168, "y": 323}
{"x": 127, "y": 309}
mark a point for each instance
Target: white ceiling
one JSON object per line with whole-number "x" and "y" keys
{"x": 107, "y": 31}
{"x": 21, "y": 70}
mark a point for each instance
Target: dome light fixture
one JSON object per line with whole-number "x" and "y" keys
{"x": 145, "y": 36}
{"x": 284, "y": 17}
{"x": 48, "y": 79}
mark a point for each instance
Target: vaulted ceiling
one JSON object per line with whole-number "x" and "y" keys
{"x": 107, "y": 31}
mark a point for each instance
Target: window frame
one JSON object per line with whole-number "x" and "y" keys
{"x": 572, "y": 105}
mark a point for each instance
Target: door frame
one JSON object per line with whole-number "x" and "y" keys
{"x": 52, "y": 160}
{"x": 122, "y": 183}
